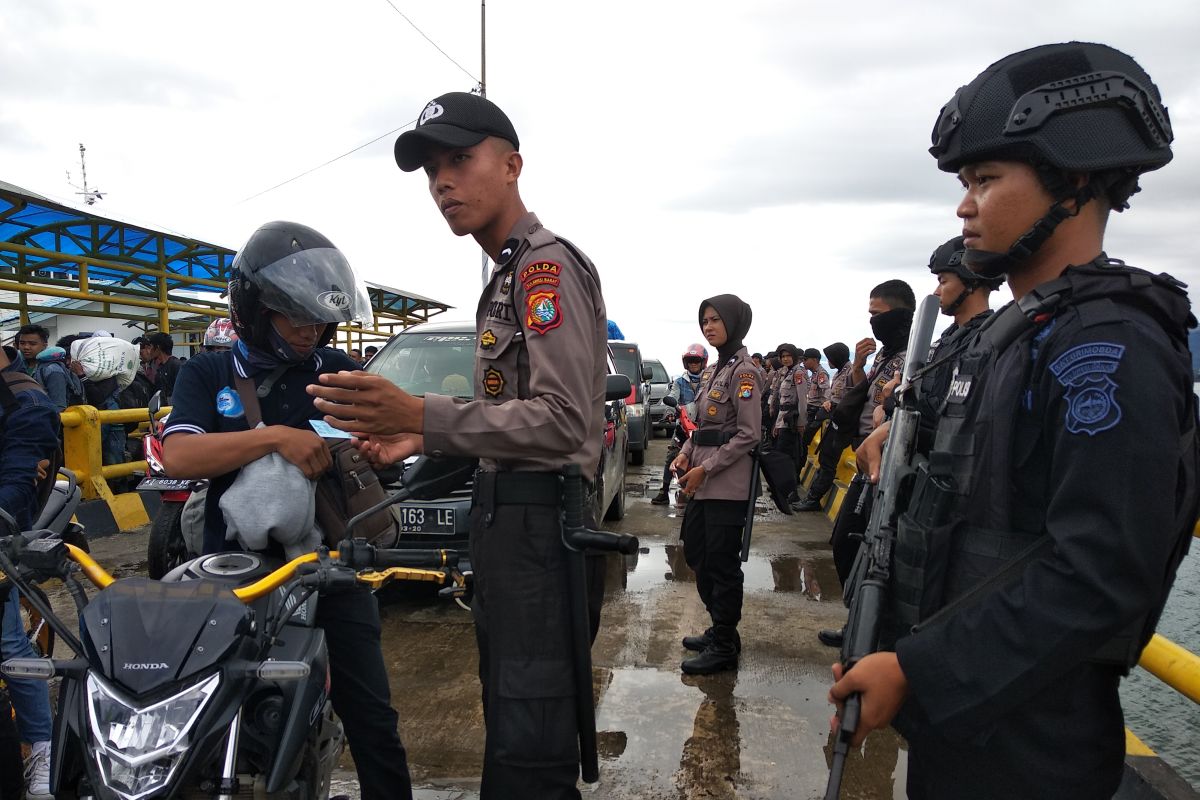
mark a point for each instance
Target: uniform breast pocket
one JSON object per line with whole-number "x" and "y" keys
{"x": 715, "y": 405}
{"x": 498, "y": 354}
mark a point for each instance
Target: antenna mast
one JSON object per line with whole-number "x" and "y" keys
{"x": 90, "y": 196}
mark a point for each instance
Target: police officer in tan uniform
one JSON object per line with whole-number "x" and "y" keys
{"x": 818, "y": 395}
{"x": 790, "y": 409}
{"x": 539, "y": 404}
{"x": 715, "y": 469}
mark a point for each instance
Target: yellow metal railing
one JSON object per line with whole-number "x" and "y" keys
{"x": 1173, "y": 665}
{"x": 82, "y": 446}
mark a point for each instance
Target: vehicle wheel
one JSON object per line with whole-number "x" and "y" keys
{"x": 166, "y": 549}
{"x": 40, "y": 635}
{"x": 616, "y": 509}
{"x": 638, "y": 457}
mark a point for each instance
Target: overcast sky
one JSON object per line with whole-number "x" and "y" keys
{"x": 776, "y": 150}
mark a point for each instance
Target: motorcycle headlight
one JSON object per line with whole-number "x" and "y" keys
{"x": 138, "y": 749}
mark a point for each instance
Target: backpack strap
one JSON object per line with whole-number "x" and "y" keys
{"x": 16, "y": 382}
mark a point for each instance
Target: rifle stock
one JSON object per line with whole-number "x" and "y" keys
{"x": 868, "y": 584}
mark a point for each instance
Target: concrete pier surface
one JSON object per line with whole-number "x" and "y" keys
{"x": 760, "y": 732}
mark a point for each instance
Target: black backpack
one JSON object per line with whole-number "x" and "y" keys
{"x": 138, "y": 393}
{"x": 13, "y": 383}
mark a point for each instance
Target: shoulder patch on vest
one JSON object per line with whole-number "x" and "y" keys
{"x": 1085, "y": 372}
{"x": 542, "y": 312}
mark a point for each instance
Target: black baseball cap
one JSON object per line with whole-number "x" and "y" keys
{"x": 812, "y": 352}
{"x": 455, "y": 119}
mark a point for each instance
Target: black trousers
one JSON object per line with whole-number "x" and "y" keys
{"x": 833, "y": 443}
{"x": 523, "y": 630}
{"x": 851, "y": 523}
{"x": 360, "y": 694}
{"x": 816, "y": 415}
{"x": 788, "y": 443}
{"x": 712, "y": 546}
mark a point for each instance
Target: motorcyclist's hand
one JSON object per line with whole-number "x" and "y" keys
{"x": 384, "y": 451}
{"x": 692, "y": 480}
{"x": 42, "y": 468}
{"x": 366, "y": 403}
{"x": 680, "y": 464}
{"x": 882, "y": 688}
{"x": 869, "y": 454}
{"x": 863, "y": 349}
{"x": 303, "y": 448}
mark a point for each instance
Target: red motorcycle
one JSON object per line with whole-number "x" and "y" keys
{"x": 168, "y": 546}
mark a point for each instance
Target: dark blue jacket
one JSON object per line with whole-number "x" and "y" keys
{"x": 27, "y": 435}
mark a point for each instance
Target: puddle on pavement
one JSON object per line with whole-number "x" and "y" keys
{"x": 730, "y": 735}
{"x": 814, "y": 576}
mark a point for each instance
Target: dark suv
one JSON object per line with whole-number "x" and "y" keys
{"x": 637, "y": 406}
{"x": 661, "y": 417}
{"x": 439, "y": 357}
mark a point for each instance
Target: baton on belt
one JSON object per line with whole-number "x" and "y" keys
{"x": 576, "y": 538}
{"x": 755, "y": 488}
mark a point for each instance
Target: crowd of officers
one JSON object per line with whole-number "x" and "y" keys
{"x": 1055, "y": 412}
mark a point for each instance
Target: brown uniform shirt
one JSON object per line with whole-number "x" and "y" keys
{"x": 881, "y": 372}
{"x": 729, "y": 401}
{"x": 793, "y": 386}
{"x": 818, "y": 386}
{"x": 539, "y": 363}
{"x": 839, "y": 383}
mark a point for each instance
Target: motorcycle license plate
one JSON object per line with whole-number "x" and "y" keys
{"x": 426, "y": 519}
{"x": 164, "y": 485}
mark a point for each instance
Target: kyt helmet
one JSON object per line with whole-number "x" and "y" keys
{"x": 696, "y": 351}
{"x": 1075, "y": 107}
{"x": 219, "y": 333}
{"x": 293, "y": 269}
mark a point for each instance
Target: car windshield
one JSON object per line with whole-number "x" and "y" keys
{"x": 437, "y": 363}
{"x": 660, "y": 373}
{"x": 626, "y": 358}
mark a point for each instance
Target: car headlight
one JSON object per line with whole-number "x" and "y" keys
{"x": 137, "y": 750}
{"x": 635, "y": 410}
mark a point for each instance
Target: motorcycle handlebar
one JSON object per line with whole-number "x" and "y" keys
{"x": 357, "y": 554}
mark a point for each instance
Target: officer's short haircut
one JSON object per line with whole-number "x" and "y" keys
{"x": 34, "y": 330}
{"x": 896, "y": 293}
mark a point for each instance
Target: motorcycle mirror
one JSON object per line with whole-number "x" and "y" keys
{"x": 616, "y": 387}
{"x": 283, "y": 670}
{"x": 155, "y": 404}
{"x": 670, "y": 402}
{"x": 427, "y": 479}
{"x": 38, "y": 669}
{"x": 647, "y": 373}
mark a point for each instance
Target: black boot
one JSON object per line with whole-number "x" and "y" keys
{"x": 807, "y": 504}
{"x": 831, "y": 637}
{"x": 719, "y": 656}
{"x": 698, "y": 644}
{"x": 660, "y": 499}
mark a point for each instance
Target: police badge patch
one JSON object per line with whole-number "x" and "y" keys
{"x": 487, "y": 340}
{"x": 1090, "y": 397}
{"x": 493, "y": 382}
{"x": 542, "y": 313}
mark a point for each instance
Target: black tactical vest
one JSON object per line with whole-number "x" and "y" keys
{"x": 961, "y": 535}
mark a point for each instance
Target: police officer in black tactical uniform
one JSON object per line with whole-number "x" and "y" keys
{"x": 1061, "y": 483}
{"x": 288, "y": 290}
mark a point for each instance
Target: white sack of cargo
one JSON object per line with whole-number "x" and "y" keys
{"x": 106, "y": 357}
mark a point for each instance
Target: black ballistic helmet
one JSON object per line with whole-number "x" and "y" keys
{"x": 1077, "y": 106}
{"x": 948, "y": 257}
{"x": 293, "y": 269}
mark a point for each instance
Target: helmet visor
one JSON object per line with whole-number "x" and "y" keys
{"x": 314, "y": 286}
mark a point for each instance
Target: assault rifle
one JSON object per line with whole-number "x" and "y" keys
{"x": 867, "y": 586}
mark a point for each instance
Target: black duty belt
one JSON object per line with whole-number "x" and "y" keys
{"x": 517, "y": 488}
{"x": 712, "y": 438}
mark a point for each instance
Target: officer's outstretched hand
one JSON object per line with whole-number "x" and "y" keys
{"x": 382, "y": 450}
{"x": 882, "y": 686}
{"x": 692, "y": 480}
{"x": 303, "y": 448}
{"x": 366, "y": 403}
{"x": 869, "y": 454}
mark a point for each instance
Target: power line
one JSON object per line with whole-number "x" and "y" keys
{"x": 432, "y": 42}
{"x": 326, "y": 164}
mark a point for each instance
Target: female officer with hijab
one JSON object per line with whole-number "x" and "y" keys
{"x": 715, "y": 469}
